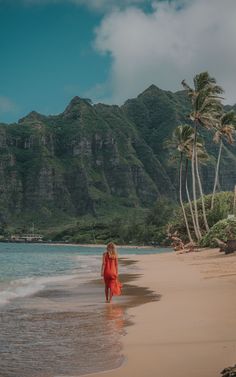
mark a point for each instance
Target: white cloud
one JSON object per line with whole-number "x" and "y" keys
{"x": 7, "y": 105}
{"x": 169, "y": 44}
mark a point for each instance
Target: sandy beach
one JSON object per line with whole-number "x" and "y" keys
{"x": 191, "y": 330}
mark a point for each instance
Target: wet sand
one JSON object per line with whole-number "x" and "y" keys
{"x": 133, "y": 293}
{"x": 191, "y": 330}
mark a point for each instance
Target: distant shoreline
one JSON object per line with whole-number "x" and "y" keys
{"x": 100, "y": 245}
{"x": 85, "y": 245}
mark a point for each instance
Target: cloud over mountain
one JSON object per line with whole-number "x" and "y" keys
{"x": 174, "y": 41}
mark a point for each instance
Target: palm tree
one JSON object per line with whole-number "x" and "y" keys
{"x": 202, "y": 156}
{"x": 181, "y": 141}
{"x": 195, "y": 225}
{"x": 206, "y": 110}
{"x": 225, "y": 130}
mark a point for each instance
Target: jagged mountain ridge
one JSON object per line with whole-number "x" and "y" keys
{"x": 93, "y": 156}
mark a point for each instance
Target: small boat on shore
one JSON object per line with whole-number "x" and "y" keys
{"x": 31, "y": 237}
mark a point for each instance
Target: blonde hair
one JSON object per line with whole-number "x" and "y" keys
{"x": 111, "y": 250}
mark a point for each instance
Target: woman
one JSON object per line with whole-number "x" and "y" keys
{"x": 110, "y": 272}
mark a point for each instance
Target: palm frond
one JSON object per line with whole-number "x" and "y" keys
{"x": 217, "y": 137}
{"x": 227, "y": 131}
{"x": 204, "y": 81}
{"x": 189, "y": 90}
{"x": 208, "y": 120}
{"x": 206, "y": 100}
{"x": 186, "y": 86}
{"x": 201, "y": 80}
{"x": 229, "y": 118}
{"x": 181, "y": 139}
{"x": 226, "y": 127}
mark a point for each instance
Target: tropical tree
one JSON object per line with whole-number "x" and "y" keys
{"x": 181, "y": 142}
{"x": 195, "y": 226}
{"x": 202, "y": 157}
{"x": 206, "y": 111}
{"x": 224, "y": 131}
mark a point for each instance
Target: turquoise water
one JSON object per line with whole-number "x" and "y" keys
{"x": 34, "y": 260}
{"x": 54, "y": 321}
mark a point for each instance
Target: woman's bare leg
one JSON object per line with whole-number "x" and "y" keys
{"x": 106, "y": 293}
{"x": 110, "y": 295}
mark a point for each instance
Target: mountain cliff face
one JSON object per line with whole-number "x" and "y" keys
{"x": 93, "y": 158}
{"x": 156, "y": 113}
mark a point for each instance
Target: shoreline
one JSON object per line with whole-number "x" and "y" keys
{"x": 103, "y": 245}
{"x": 86, "y": 245}
{"x": 191, "y": 330}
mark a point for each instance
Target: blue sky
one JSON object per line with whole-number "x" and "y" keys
{"x": 107, "y": 50}
{"x": 47, "y": 57}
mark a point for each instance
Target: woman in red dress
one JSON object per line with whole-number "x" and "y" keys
{"x": 110, "y": 272}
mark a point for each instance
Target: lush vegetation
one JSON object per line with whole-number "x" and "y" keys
{"x": 224, "y": 203}
{"x": 99, "y": 172}
{"x": 206, "y": 114}
{"x": 223, "y": 230}
{"x": 135, "y": 227}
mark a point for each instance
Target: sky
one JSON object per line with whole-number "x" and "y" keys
{"x": 109, "y": 50}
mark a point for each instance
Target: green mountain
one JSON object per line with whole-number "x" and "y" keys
{"x": 94, "y": 159}
{"x": 156, "y": 113}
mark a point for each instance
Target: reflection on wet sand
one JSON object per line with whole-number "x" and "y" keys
{"x": 115, "y": 314}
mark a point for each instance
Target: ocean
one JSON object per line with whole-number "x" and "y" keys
{"x": 53, "y": 319}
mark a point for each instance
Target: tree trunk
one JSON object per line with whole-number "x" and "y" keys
{"x": 189, "y": 201}
{"x": 181, "y": 199}
{"x": 216, "y": 174}
{"x": 234, "y": 205}
{"x": 194, "y": 184}
{"x": 201, "y": 192}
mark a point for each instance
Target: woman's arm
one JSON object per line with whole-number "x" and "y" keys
{"x": 117, "y": 266}
{"x": 103, "y": 265}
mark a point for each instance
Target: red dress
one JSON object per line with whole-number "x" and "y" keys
{"x": 111, "y": 274}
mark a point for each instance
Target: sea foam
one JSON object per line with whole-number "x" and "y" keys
{"x": 28, "y": 286}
